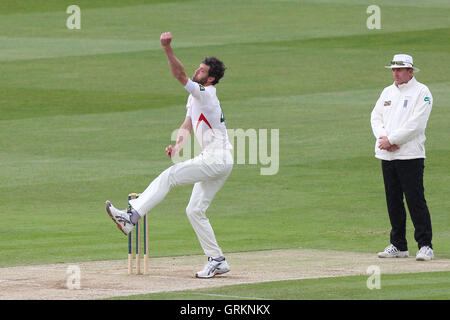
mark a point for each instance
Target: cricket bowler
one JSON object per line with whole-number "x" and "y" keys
{"x": 208, "y": 171}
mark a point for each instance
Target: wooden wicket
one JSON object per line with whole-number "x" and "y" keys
{"x": 137, "y": 231}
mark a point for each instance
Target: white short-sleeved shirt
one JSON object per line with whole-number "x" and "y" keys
{"x": 208, "y": 122}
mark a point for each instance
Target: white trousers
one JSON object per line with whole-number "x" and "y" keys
{"x": 208, "y": 172}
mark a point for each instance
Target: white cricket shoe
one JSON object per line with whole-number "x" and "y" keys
{"x": 120, "y": 217}
{"x": 425, "y": 254}
{"x": 213, "y": 267}
{"x": 391, "y": 251}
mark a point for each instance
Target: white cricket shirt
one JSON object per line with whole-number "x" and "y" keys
{"x": 401, "y": 113}
{"x": 208, "y": 122}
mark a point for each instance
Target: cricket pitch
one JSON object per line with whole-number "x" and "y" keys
{"x": 105, "y": 279}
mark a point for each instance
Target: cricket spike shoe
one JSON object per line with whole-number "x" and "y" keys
{"x": 425, "y": 254}
{"x": 391, "y": 251}
{"x": 213, "y": 267}
{"x": 120, "y": 217}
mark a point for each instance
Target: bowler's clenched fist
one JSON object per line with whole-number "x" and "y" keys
{"x": 165, "y": 39}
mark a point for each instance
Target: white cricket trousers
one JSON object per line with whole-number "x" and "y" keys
{"x": 208, "y": 172}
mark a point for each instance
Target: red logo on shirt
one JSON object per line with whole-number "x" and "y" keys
{"x": 202, "y": 118}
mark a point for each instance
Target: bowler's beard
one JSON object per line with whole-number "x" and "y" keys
{"x": 201, "y": 81}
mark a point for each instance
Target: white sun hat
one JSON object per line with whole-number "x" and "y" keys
{"x": 402, "y": 61}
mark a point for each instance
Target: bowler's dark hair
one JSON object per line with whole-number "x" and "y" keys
{"x": 216, "y": 68}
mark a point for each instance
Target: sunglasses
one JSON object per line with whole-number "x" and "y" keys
{"x": 399, "y": 63}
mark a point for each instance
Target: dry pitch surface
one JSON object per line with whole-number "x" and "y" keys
{"x": 103, "y": 279}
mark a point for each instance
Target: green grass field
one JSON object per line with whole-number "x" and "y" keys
{"x": 411, "y": 286}
{"x": 85, "y": 116}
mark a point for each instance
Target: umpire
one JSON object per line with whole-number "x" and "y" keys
{"x": 398, "y": 121}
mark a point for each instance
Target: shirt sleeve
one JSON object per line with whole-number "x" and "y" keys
{"x": 418, "y": 121}
{"x": 188, "y": 108}
{"x": 376, "y": 118}
{"x": 194, "y": 88}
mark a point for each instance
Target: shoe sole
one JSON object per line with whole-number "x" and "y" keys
{"x": 390, "y": 257}
{"x": 423, "y": 259}
{"x": 108, "y": 205}
{"x": 400, "y": 255}
{"x": 215, "y": 274}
